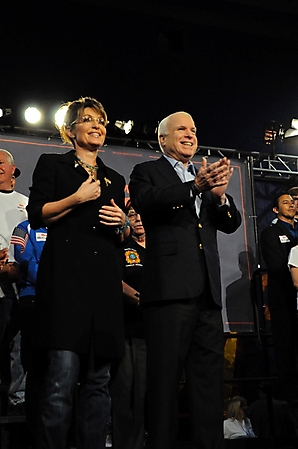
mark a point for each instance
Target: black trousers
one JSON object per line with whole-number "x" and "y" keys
{"x": 128, "y": 390}
{"x": 185, "y": 334}
{"x": 284, "y": 327}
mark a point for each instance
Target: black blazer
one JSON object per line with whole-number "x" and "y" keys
{"x": 79, "y": 290}
{"x": 276, "y": 243}
{"x": 180, "y": 248}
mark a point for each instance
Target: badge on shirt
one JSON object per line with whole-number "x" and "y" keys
{"x": 41, "y": 236}
{"x": 284, "y": 239}
{"x": 131, "y": 256}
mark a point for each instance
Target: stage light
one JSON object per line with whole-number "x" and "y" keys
{"x": 60, "y": 115}
{"x": 271, "y": 130}
{"x": 4, "y": 111}
{"x": 32, "y": 115}
{"x": 293, "y": 130}
{"x": 126, "y": 127}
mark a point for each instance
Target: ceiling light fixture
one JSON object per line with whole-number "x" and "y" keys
{"x": 4, "y": 111}
{"x": 293, "y": 130}
{"x": 272, "y": 130}
{"x": 126, "y": 127}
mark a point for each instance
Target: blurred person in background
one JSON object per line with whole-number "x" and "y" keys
{"x": 128, "y": 377}
{"x": 237, "y": 424}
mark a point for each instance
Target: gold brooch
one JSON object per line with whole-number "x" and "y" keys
{"x": 107, "y": 181}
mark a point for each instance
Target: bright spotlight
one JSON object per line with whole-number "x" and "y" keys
{"x": 32, "y": 115}
{"x": 60, "y": 115}
{"x": 126, "y": 127}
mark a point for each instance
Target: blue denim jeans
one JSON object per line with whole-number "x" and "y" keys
{"x": 93, "y": 404}
{"x": 9, "y": 322}
{"x": 16, "y": 392}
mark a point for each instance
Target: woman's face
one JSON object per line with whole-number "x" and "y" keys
{"x": 89, "y": 131}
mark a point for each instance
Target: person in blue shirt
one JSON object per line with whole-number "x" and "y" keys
{"x": 28, "y": 246}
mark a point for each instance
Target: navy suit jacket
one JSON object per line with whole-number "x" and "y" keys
{"x": 181, "y": 249}
{"x": 276, "y": 243}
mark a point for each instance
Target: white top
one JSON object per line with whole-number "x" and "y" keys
{"x": 12, "y": 212}
{"x": 293, "y": 260}
{"x": 237, "y": 429}
{"x": 293, "y": 257}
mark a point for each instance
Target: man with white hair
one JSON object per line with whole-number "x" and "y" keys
{"x": 12, "y": 211}
{"x": 181, "y": 210}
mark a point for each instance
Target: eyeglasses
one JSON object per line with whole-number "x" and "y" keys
{"x": 89, "y": 119}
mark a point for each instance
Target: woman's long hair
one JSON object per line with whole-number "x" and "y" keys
{"x": 237, "y": 409}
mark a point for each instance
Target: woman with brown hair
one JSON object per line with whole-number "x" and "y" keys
{"x": 79, "y": 291}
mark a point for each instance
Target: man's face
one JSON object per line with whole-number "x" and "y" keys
{"x": 181, "y": 141}
{"x": 6, "y": 171}
{"x": 286, "y": 207}
{"x": 135, "y": 222}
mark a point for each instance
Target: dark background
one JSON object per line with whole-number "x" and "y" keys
{"x": 231, "y": 63}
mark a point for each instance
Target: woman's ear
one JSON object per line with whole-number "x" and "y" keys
{"x": 69, "y": 132}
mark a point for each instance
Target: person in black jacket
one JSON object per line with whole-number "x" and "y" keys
{"x": 182, "y": 209}
{"x": 79, "y": 289}
{"x": 276, "y": 243}
{"x": 128, "y": 376}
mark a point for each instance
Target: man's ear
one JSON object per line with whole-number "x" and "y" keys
{"x": 275, "y": 210}
{"x": 162, "y": 139}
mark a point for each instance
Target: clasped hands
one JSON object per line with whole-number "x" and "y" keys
{"x": 214, "y": 177}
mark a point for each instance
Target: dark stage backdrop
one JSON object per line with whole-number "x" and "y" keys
{"x": 237, "y": 251}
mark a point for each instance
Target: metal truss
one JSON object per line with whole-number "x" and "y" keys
{"x": 267, "y": 166}
{"x": 264, "y": 165}
{"x": 278, "y": 166}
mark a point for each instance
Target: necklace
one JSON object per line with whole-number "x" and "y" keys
{"x": 90, "y": 168}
